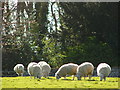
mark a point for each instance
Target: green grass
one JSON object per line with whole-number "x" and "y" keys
{"x": 27, "y": 82}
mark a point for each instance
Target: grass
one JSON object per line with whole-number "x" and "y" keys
{"x": 27, "y": 82}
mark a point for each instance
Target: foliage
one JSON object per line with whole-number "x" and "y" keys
{"x": 52, "y": 53}
{"x": 26, "y": 82}
{"x": 92, "y": 51}
{"x": 21, "y": 38}
{"x": 82, "y": 22}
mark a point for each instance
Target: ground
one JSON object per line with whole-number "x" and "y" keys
{"x": 27, "y": 82}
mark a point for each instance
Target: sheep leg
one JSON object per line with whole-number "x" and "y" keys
{"x": 73, "y": 77}
{"x": 21, "y": 74}
{"x": 39, "y": 77}
{"x": 65, "y": 77}
{"x": 100, "y": 78}
{"x": 90, "y": 76}
{"x": 18, "y": 74}
{"x": 35, "y": 77}
{"x": 104, "y": 78}
{"x": 47, "y": 77}
{"x": 79, "y": 77}
{"x": 84, "y": 77}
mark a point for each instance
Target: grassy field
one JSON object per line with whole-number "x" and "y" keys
{"x": 26, "y": 82}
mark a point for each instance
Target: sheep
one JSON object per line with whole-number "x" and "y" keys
{"x": 30, "y": 68}
{"x": 37, "y": 71}
{"x": 41, "y": 63}
{"x": 103, "y": 70}
{"x": 19, "y": 69}
{"x": 66, "y": 69}
{"x": 45, "y": 68}
{"x": 85, "y": 69}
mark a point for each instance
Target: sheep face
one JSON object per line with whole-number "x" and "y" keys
{"x": 39, "y": 76}
{"x": 79, "y": 77}
{"x": 19, "y": 69}
{"x": 57, "y": 76}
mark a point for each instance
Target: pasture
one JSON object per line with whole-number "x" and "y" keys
{"x": 27, "y": 82}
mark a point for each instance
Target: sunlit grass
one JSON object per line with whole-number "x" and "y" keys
{"x": 27, "y": 82}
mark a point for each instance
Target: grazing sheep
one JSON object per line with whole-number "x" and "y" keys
{"x": 85, "y": 69}
{"x": 37, "y": 71}
{"x": 66, "y": 69}
{"x": 41, "y": 63}
{"x": 30, "y": 68}
{"x": 103, "y": 70}
{"x": 45, "y": 68}
{"x": 19, "y": 69}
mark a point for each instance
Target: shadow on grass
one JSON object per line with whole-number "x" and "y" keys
{"x": 47, "y": 78}
{"x": 112, "y": 81}
{"x": 92, "y": 80}
{"x": 67, "y": 79}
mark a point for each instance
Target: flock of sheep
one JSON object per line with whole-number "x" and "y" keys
{"x": 42, "y": 69}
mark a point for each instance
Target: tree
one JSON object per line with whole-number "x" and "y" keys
{"x": 20, "y": 36}
{"x": 81, "y": 21}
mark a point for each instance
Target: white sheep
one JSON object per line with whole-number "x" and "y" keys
{"x": 45, "y": 68}
{"x": 103, "y": 70}
{"x": 30, "y": 68}
{"x": 19, "y": 69}
{"x": 41, "y": 63}
{"x": 66, "y": 69}
{"x": 37, "y": 71}
{"x": 85, "y": 69}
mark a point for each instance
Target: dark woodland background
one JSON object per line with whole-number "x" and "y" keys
{"x": 59, "y": 33}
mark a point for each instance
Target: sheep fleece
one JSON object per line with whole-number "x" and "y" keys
{"x": 67, "y": 69}
{"x": 103, "y": 69}
{"x": 30, "y": 68}
{"x": 37, "y": 71}
{"x": 85, "y": 69}
{"x": 45, "y": 68}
